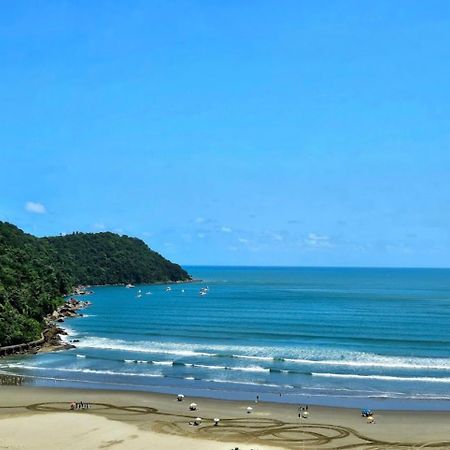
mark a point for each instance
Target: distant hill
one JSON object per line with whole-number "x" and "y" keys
{"x": 107, "y": 258}
{"x": 35, "y": 273}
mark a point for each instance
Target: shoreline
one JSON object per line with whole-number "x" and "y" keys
{"x": 269, "y": 424}
{"x": 155, "y": 283}
{"x": 392, "y": 405}
{"x": 50, "y": 339}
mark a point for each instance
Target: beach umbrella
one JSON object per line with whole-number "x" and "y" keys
{"x": 305, "y": 414}
{"x": 180, "y": 397}
{"x": 198, "y": 420}
{"x": 216, "y": 421}
{"x": 193, "y": 406}
{"x": 249, "y": 410}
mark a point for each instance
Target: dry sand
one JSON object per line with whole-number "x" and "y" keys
{"x": 38, "y": 418}
{"x": 63, "y": 431}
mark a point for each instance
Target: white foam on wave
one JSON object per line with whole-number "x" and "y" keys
{"x": 81, "y": 356}
{"x": 70, "y": 334}
{"x": 70, "y": 331}
{"x": 137, "y": 361}
{"x": 363, "y": 360}
{"x": 250, "y": 383}
{"x": 383, "y": 377}
{"x": 206, "y": 366}
{"x": 238, "y": 368}
{"x": 91, "y": 371}
{"x": 162, "y": 363}
{"x": 387, "y": 363}
{"x": 249, "y": 369}
{"x": 139, "y": 347}
{"x": 304, "y": 356}
{"x": 256, "y": 358}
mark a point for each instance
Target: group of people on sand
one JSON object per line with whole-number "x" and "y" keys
{"x": 79, "y": 405}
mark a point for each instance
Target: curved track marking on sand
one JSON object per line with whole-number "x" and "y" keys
{"x": 94, "y": 407}
{"x": 253, "y": 429}
{"x": 290, "y": 435}
{"x": 432, "y": 445}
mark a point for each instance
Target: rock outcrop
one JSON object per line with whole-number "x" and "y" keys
{"x": 52, "y": 333}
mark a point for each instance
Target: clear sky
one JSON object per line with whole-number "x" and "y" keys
{"x": 232, "y": 132}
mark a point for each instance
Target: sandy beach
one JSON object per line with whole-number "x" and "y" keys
{"x": 35, "y": 418}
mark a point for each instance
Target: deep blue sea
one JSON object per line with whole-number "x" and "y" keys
{"x": 335, "y": 336}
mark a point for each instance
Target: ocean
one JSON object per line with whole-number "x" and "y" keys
{"x": 356, "y": 337}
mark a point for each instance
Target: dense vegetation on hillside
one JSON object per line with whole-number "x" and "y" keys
{"x": 107, "y": 258}
{"x": 36, "y": 272}
{"x": 30, "y": 284}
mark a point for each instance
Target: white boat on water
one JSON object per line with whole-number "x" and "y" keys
{"x": 129, "y": 286}
{"x": 168, "y": 288}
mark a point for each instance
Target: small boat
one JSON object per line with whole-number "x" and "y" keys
{"x": 168, "y": 288}
{"x": 202, "y": 293}
{"x": 139, "y": 295}
{"x": 148, "y": 293}
{"x": 129, "y": 286}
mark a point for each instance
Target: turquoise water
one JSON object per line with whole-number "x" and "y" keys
{"x": 354, "y": 337}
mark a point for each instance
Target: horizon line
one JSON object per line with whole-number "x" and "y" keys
{"x": 314, "y": 267}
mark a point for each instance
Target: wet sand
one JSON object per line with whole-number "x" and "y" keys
{"x": 35, "y": 418}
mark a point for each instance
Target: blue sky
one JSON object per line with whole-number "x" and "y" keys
{"x": 240, "y": 132}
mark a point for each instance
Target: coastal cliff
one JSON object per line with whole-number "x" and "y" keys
{"x": 36, "y": 273}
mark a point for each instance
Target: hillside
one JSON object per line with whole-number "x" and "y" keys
{"x": 31, "y": 285}
{"x": 35, "y": 273}
{"x": 107, "y": 258}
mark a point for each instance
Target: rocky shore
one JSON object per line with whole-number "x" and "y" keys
{"x": 51, "y": 335}
{"x": 52, "y": 332}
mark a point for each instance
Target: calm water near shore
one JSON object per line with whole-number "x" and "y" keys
{"x": 349, "y": 337}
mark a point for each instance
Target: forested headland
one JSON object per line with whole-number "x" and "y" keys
{"x": 35, "y": 273}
